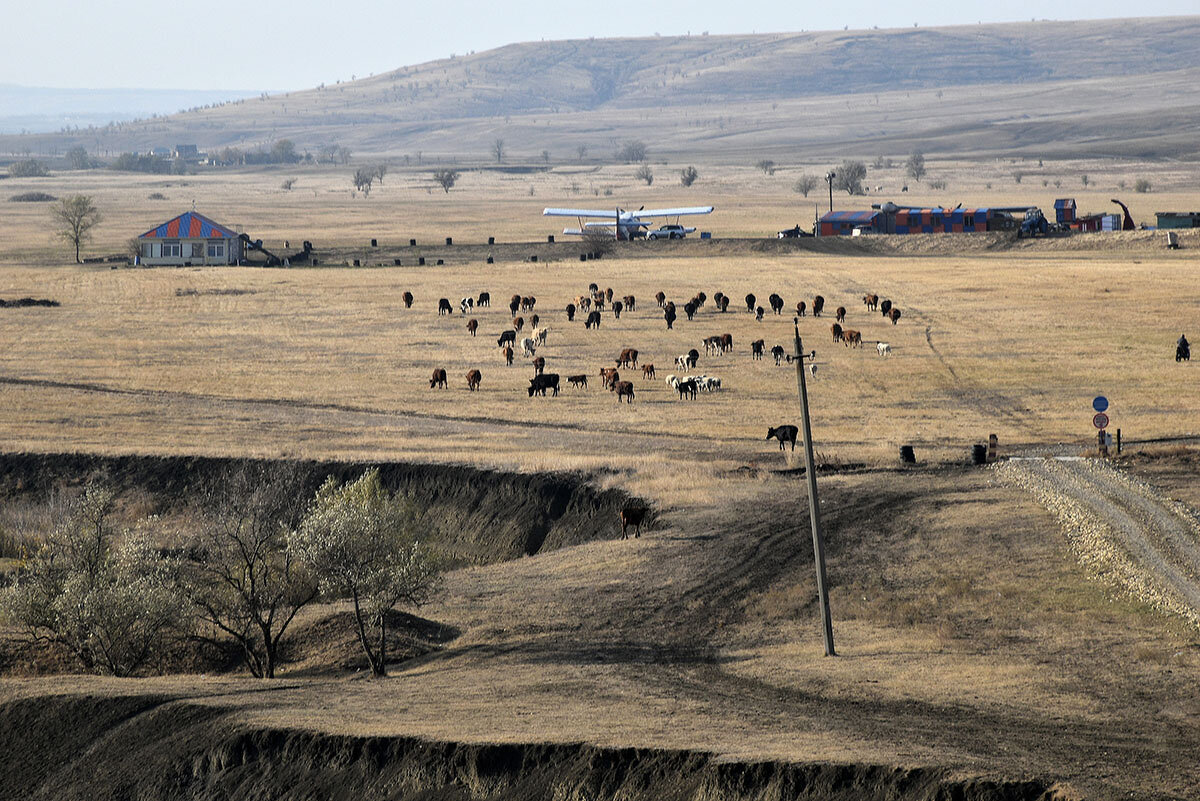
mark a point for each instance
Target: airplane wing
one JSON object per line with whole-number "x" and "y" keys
{"x": 673, "y": 212}
{"x": 579, "y": 213}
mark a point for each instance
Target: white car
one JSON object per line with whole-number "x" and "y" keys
{"x": 670, "y": 232}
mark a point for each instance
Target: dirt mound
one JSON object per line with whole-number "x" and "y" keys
{"x": 331, "y": 643}
{"x": 150, "y": 748}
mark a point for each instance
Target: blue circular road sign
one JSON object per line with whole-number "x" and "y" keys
{"x": 1100, "y": 403}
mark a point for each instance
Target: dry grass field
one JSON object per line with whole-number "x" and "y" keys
{"x": 970, "y": 638}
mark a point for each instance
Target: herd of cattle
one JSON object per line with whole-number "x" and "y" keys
{"x": 688, "y": 386}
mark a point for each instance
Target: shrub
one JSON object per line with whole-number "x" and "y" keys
{"x": 30, "y": 168}
{"x": 156, "y": 196}
{"x": 1141, "y": 185}
{"x": 767, "y": 166}
{"x": 688, "y": 175}
{"x": 644, "y": 174}
{"x": 632, "y": 151}
{"x": 32, "y": 197}
{"x": 938, "y": 184}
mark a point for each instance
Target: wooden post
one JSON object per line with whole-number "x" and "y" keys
{"x": 1118, "y": 442}
{"x": 814, "y": 510}
{"x": 993, "y": 446}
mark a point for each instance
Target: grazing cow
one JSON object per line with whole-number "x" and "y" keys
{"x": 750, "y": 301}
{"x": 518, "y": 323}
{"x": 647, "y": 371}
{"x": 485, "y": 299}
{"x": 852, "y": 337}
{"x": 818, "y": 305}
{"x": 894, "y": 314}
{"x": 681, "y": 361}
{"x": 527, "y": 348}
{"x": 778, "y": 352}
{"x": 841, "y": 314}
{"x": 871, "y": 301}
{"x": 724, "y": 304}
{"x": 570, "y": 312}
{"x": 758, "y": 313}
{"x": 689, "y": 309}
{"x": 444, "y": 307}
{"x": 776, "y": 303}
{"x": 630, "y": 302}
{"x": 687, "y": 389}
{"x": 534, "y": 320}
{"x": 540, "y": 383}
{"x": 784, "y": 434}
{"x": 528, "y": 303}
{"x": 439, "y": 378}
{"x": 609, "y": 376}
{"x": 885, "y": 306}
{"x": 506, "y": 338}
{"x": 466, "y": 304}
{"x": 633, "y": 516}
{"x": 578, "y": 380}
{"x": 756, "y": 349}
{"x": 712, "y": 345}
{"x": 801, "y": 308}
{"x": 472, "y": 326}
{"x": 624, "y": 389}
{"x": 539, "y": 335}
{"x": 669, "y": 316}
{"x": 593, "y": 288}
{"x": 514, "y": 305}
{"x": 883, "y": 348}
{"x": 598, "y": 300}
{"x": 726, "y": 343}
{"x": 473, "y": 379}
{"x": 672, "y": 382}
{"x": 539, "y": 365}
{"x": 608, "y": 294}
{"x": 661, "y": 298}
{"x": 837, "y": 332}
{"x": 627, "y": 358}
{"x": 617, "y": 308}
{"x": 584, "y": 303}
{"x": 593, "y": 320}
{"x": 508, "y": 356}
{"x": 408, "y": 299}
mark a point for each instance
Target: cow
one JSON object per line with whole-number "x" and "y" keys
{"x": 750, "y": 301}
{"x": 518, "y": 323}
{"x": 647, "y": 371}
{"x": 617, "y": 308}
{"x": 485, "y": 299}
{"x": 466, "y": 304}
{"x": 717, "y": 298}
{"x": 508, "y": 356}
{"x": 506, "y": 338}
{"x": 630, "y": 302}
{"x": 473, "y": 379}
{"x": 570, "y": 312}
{"x": 871, "y": 301}
{"x": 687, "y": 389}
{"x": 689, "y": 309}
{"x": 584, "y": 303}
{"x": 540, "y": 383}
{"x": 408, "y": 300}
{"x": 726, "y": 343}
{"x": 439, "y": 378}
{"x": 756, "y": 349}
{"x": 627, "y": 358}
{"x": 818, "y": 306}
{"x": 472, "y": 326}
{"x": 894, "y": 315}
{"x": 693, "y": 357}
{"x": 593, "y": 288}
{"x": 598, "y": 300}
{"x": 837, "y": 332}
{"x": 840, "y": 312}
{"x": 539, "y": 365}
{"x": 514, "y": 305}
{"x": 681, "y": 361}
{"x": 633, "y": 516}
{"x": 608, "y": 293}
{"x": 609, "y": 376}
{"x": 778, "y": 353}
{"x": 527, "y": 348}
{"x": 851, "y": 337}
{"x": 528, "y": 303}
{"x": 539, "y": 335}
{"x": 776, "y": 303}
{"x": 661, "y": 298}
{"x": 724, "y": 303}
{"x": 801, "y": 308}
{"x": 624, "y": 389}
{"x": 593, "y": 320}
{"x": 578, "y": 380}
{"x": 712, "y": 345}
{"x": 672, "y": 381}
{"x": 812, "y": 371}
{"x": 758, "y": 313}
{"x": 883, "y": 348}
{"x": 784, "y": 434}
{"x": 669, "y": 316}
{"x": 885, "y": 306}
{"x": 534, "y": 320}
{"x": 444, "y": 307}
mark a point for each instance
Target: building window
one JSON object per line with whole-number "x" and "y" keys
{"x": 216, "y": 250}
{"x": 170, "y": 250}
{"x": 147, "y": 250}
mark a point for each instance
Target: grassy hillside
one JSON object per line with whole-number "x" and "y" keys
{"x": 1116, "y": 87}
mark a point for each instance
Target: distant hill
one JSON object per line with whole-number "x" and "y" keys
{"x": 40, "y": 109}
{"x": 1115, "y": 87}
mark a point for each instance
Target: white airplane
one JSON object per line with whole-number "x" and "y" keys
{"x": 628, "y": 224}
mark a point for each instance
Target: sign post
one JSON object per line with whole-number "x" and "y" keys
{"x": 1100, "y": 421}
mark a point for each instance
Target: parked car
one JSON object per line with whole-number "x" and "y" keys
{"x": 670, "y": 232}
{"x": 793, "y": 233}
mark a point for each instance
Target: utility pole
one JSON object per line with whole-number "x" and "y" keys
{"x": 814, "y": 511}
{"x": 829, "y": 176}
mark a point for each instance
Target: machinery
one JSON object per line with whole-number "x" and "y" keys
{"x": 1127, "y": 225}
{"x": 1035, "y": 223}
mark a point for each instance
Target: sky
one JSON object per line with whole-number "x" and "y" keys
{"x": 296, "y": 44}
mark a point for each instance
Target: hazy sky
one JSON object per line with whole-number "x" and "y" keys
{"x": 272, "y": 44}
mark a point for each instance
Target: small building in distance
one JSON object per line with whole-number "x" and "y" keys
{"x": 888, "y": 218}
{"x": 1064, "y": 210}
{"x": 1178, "y": 219}
{"x": 186, "y": 152}
{"x": 844, "y": 223}
{"x": 190, "y": 239}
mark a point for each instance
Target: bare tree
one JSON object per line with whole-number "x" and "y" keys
{"x": 380, "y": 171}
{"x": 644, "y": 174}
{"x": 767, "y": 166}
{"x": 581, "y": 152}
{"x": 498, "y": 150}
{"x": 688, "y": 175}
{"x": 287, "y": 184}
{"x": 805, "y": 184}
{"x": 363, "y": 178}
{"x": 77, "y": 158}
{"x": 445, "y": 178}
{"x": 632, "y": 151}
{"x": 914, "y": 166}
{"x": 546, "y": 156}
{"x": 850, "y": 177}
{"x": 76, "y": 216}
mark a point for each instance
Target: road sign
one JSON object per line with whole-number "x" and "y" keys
{"x": 1100, "y": 403}
{"x": 1100, "y": 420}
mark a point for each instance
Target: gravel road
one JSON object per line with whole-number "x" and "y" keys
{"x": 1122, "y": 529}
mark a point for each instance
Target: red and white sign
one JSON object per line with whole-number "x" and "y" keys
{"x": 1100, "y": 420}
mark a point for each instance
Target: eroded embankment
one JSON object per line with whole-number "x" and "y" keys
{"x": 155, "y": 748}
{"x": 477, "y": 516}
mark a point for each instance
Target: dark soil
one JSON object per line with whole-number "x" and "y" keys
{"x": 21, "y": 303}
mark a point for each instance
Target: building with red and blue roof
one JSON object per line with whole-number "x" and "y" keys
{"x": 190, "y": 239}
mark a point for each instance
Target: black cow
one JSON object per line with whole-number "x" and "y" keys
{"x": 593, "y": 320}
{"x": 444, "y": 307}
{"x": 540, "y": 383}
{"x": 506, "y": 338}
{"x": 689, "y": 309}
{"x": 784, "y": 434}
{"x": 570, "y": 312}
{"x": 669, "y": 316}
{"x": 485, "y": 299}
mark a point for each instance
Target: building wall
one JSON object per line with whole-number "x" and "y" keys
{"x": 178, "y": 252}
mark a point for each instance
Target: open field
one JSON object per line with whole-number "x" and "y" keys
{"x": 970, "y": 637}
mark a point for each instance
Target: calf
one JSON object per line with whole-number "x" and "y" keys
{"x": 609, "y": 376}
{"x": 778, "y": 353}
{"x": 570, "y": 312}
{"x": 527, "y": 348}
{"x": 593, "y": 320}
{"x": 783, "y": 434}
{"x": 633, "y": 516}
{"x": 801, "y": 308}
{"x": 540, "y": 383}
{"x": 894, "y": 315}
{"x": 661, "y": 298}
{"x": 883, "y": 348}
{"x": 756, "y": 349}
{"x": 624, "y": 389}
{"x": 439, "y": 378}
{"x": 539, "y": 365}
{"x": 508, "y": 355}
{"x": 758, "y": 313}
{"x": 472, "y": 326}
{"x": 473, "y": 379}
{"x": 485, "y": 299}
{"x": 444, "y": 307}
{"x": 647, "y": 371}
{"x": 776, "y": 303}
{"x": 506, "y": 338}
{"x": 841, "y": 314}
{"x": 408, "y": 299}
{"x": 465, "y": 304}
{"x": 578, "y": 380}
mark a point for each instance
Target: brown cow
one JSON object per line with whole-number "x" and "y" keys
{"x": 661, "y": 298}
{"x": 439, "y": 378}
{"x": 801, "y": 308}
{"x": 514, "y": 304}
{"x": 647, "y": 371}
{"x": 508, "y": 355}
{"x": 724, "y": 303}
{"x": 583, "y": 302}
{"x": 837, "y": 332}
{"x": 534, "y": 320}
{"x": 617, "y": 308}
{"x": 851, "y": 337}
{"x": 539, "y": 365}
{"x": 633, "y": 516}
{"x": 472, "y": 325}
{"x": 726, "y": 343}
{"x": 598, "y": 300}
{"x": 871, "y": 301}
{"x": 609, "y": 376}
{"x": 408, "y": 299}
{"x": 630, "y": 302}
{"x": 578, "y": 380}
{"x": 627, "y": 358}
{"x": 841, "y": 314}
{"x": 894, "y": 314}
{"x": 473, "y": 379}
{"x": 756, "y": 348}
{"x": 608, "y": 294}
{"x": 518, "y": 323}
{"x": 818, "y": 305}
{"x": 528, "y": 303}
{"x": 624, "y": 389}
